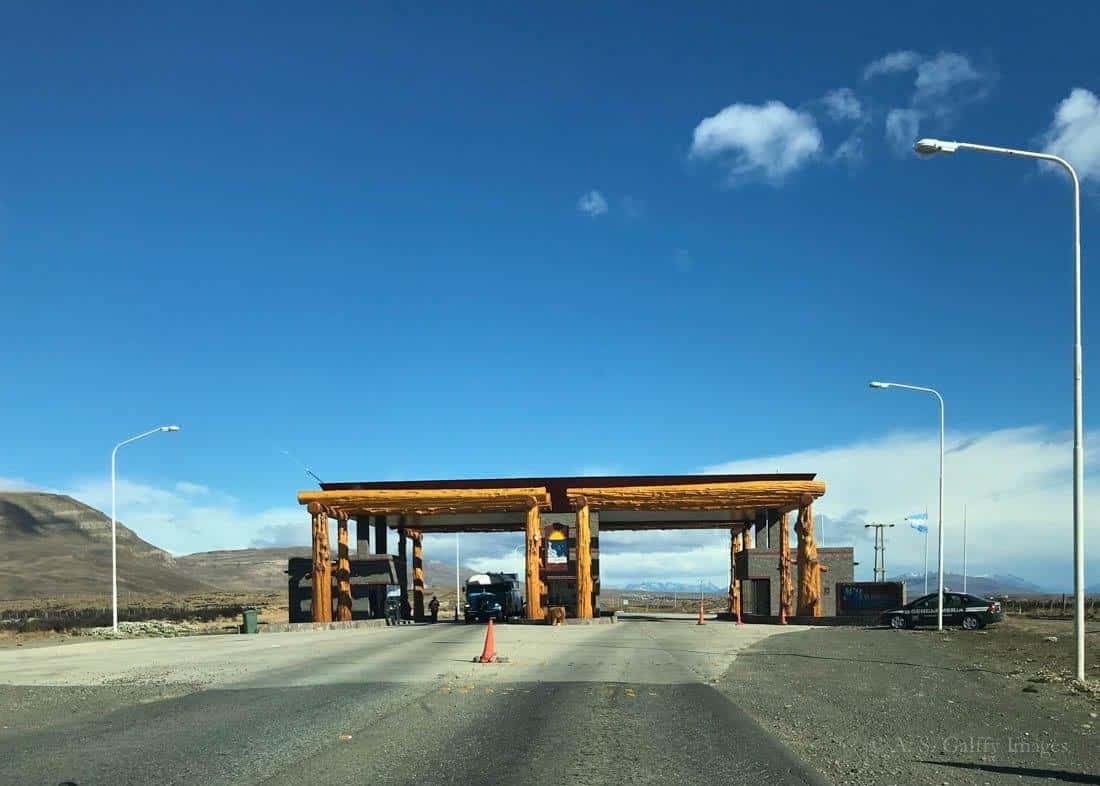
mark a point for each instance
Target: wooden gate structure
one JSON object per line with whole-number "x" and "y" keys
{"x": 640, "y": 502}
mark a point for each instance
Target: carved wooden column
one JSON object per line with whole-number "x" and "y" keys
{"x": 809, "y": 566}
{"x": 584, "y": 564}
{"x": 321, "y": 594}
{"x": 533, "y": 563}
{"x": 343, "y": 570}
{"x": 735, "y": 585}
{"x": 418, "y": 575}
{"x": 786, "y": 589}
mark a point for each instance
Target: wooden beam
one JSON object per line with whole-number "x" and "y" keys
{"x": 343, "y": 572}
{"x": 735, "y": 585}
{"x": 584, "y": 564}
{"x": 782, "y": 494}
{"x": 418, "y": 575}
{"x": 427, "y": 502}
{"x": 533, "y": 564}
{"x": 809, "y": 566}
{"x": 786, "y": 590}
{"x": 321, "y": 591}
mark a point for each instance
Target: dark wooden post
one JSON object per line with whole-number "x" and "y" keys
{"x": 735, "y": 585}
{"x": 533, "y": 562}
{"x": 809, "y": 566}
{"x": 403, "y": 569}
{"x": 418, "y": 575}
{"x": 321, "y": 591}
{"x": 584, "y": 563}
{"x": 378, "y": 593}
{"x": 786, "y": 590}
{"x": 362, "y": 537}
{"x": 343, "y": 570}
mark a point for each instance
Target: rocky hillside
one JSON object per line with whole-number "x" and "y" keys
{"x": 54, "y": 545}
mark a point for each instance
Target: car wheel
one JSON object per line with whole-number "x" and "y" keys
{"x": 970, "y": 622}
{"x": 898, "y": 622}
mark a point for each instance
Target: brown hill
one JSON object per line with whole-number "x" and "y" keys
{"x": 54, "y": 545}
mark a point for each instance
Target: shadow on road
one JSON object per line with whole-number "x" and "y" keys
{"x": 1031, "y": 772}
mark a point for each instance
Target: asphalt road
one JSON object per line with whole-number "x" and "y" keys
{"x": 637, "y": 702}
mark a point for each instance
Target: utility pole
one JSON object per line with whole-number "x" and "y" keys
{"x": 880, "y": 550}
{"x": 964, "y": 548}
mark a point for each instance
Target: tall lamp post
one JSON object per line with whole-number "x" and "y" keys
{"x": 929, "y": 147}
{"x": 114, "y": 542}
{"x": 939, "y": 526}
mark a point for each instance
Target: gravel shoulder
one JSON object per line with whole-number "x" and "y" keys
{"x": 877, "y": 706}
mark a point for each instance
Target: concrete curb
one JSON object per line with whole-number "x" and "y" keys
{"x": 294, "y": 627}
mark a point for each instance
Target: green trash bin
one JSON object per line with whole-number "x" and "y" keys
{"x": 251, "y": 621}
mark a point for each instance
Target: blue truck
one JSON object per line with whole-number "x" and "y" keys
{"x": 493, "y": 596}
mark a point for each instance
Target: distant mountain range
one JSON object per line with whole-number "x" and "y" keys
{"x": 54, "y": 545}
{"x": 672, "y": 586}
{"x": 977, "y": 585}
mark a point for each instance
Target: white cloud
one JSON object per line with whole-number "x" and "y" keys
{"x": 942, "y": 84}
{"x": 843, "y": 104}
{"x": 1015, "y": 482}
{"x": 593, "y": 203}
{"x": 189, "y": 517}
{"x": 895, "y": 62}
{"x": 938, "y": 77}
{"x": 770, "y": 139}
{"x": 1074, "y": 133}
{"x": 902, "y": 126}
{"x": 16, "y": 484}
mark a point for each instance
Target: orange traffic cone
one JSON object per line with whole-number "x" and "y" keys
{"x": 489, "y": 653}
{"x": 700, "y": 622}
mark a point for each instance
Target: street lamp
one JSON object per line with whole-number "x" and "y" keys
{"x": 114, "y": 547}
{"x": 928, "y": 147}
{"x": 939, "y": 537}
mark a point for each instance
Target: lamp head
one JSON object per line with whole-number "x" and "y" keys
{"x": 169, "y": 428}
{"x": 930, "y": 147}
{"x": 879, "y": 385}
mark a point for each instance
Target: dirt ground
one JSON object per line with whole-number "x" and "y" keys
{"x": 878, "y": 706}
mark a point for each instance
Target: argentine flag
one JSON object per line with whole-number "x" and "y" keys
{"x": 918, "y": 521}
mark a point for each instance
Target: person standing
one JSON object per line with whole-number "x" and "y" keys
{"x": 433, "y": 607}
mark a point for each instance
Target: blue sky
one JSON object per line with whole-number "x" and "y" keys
{"x": 419, "y": 242}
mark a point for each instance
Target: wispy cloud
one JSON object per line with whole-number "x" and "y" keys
{"x": 770, "y": 140}
{"x": 1074, "y": 133}
{"x": 592, "y": 203}
{"x": 942, "y": 84}
{"x": 843, "y": 104}
{"x": 892, "y": 63}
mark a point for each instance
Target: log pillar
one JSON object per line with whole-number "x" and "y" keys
{"x": 584, "y": 563}
{"x": 403, "y": 570}
{"x": 533, "y": 563}
{"x": 809, "y": 566}
{"x": 786, "y": 589}
{"x": 343, "y": 570}
{"x": 418, "y": 575}
{"x": 321, "y": 589}
{"x": 735, "y": 585}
